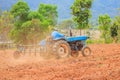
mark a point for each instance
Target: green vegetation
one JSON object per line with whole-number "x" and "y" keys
{"x": 114, "y": 32}
{"x": 25, "y": 26}
{"x": 6, "y": 24}
{"x": 49, "y": 12}
{"x": 90, "y": 41}
{"x": 116, "y": 26}
{"x": 104, "y": 25}
{"x": 81, "y": 12}
{"x": 30, "y": 26}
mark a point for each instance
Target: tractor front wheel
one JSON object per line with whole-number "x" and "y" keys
{"x": 86, "y": 51}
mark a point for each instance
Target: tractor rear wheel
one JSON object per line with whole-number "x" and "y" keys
{"x": 61, "y": 49}
{"x": 86, "y": 51}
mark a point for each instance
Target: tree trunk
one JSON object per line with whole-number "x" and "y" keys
{"x": 114, "y": 39}
{"x": 70, "y": 33}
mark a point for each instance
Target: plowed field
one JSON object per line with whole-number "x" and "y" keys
{"x": 103, "y": 64}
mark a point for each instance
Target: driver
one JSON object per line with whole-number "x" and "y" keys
{"x": 56, "y": 35}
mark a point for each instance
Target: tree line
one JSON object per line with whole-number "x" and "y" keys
{"x": 24, "y": 26}
{"x": 110, "y": 28}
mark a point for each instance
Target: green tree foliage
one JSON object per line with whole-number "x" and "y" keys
{"x": 29, "y": 33}
{"x": 117, "y": 22}
{"x": 114, "y": 32}
{"x": 81, "y": 12}
{"x": 30, "y": 26}
{"x": 6, "y": 24}
{"x": 20, "y": 10}
{"x": 35, "y": 15}
{"x": 49, "y": 12}
{"x": 104, "y": 26}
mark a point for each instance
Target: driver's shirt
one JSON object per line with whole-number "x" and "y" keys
{"x": 56, "y": 35}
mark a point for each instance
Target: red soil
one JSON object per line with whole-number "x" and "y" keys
{"x": 103, "y": 64}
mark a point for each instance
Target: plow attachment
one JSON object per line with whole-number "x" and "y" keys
{"x": 30, "y": 50}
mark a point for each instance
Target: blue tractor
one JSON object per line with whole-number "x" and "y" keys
{"x": 63, "y": 46}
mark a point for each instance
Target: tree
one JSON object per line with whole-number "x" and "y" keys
{"x": 104, "y": 25}
{"x": 114, "y": 32}
{"x": 20, "y": 10}
{"x": 30, "y": 26}
{"x": 81, "y": 12}
{"x": 6, "y": 24}
{"x": 29, "y": 33}
{"x": 49, "y": 12}
{"x": 117, "y": 22}
{"x": 35, "y": 15}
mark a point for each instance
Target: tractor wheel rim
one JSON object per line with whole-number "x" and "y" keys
{"x": 87, "y": 51}
{"x": 62, "y": 50}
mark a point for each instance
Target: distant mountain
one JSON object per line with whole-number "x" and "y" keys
{"x": 99, "y": 6}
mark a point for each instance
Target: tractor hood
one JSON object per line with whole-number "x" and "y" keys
{"x": 68, "y": 39}
{"x": 76, "y": 38}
